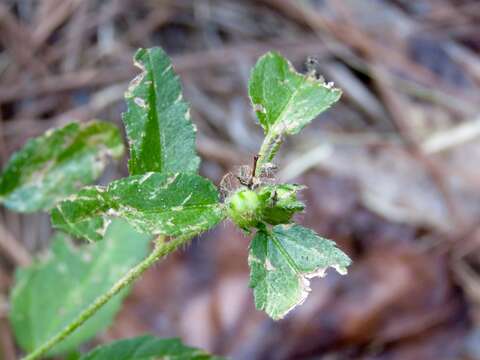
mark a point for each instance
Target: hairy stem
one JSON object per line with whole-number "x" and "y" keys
{"x": 268, "y": 150}
{"x": 161, "y": 250}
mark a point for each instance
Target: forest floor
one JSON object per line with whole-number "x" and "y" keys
{"x": 392, "y": 170}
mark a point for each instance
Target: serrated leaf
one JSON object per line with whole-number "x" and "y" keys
{"x": 157, "y": 122}
{"x": 52, "y": 166}
{"x": 53, "y": 291}
{"x": 147, "y": 347}
{"x": 153, "y": 203}
{"x": 175, "y": 204}
{"x": 285, "y": 100}
{"x": 283, "y": 260}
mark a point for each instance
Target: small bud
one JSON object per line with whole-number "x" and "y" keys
{"x": 243, "y": 208}
{"x": 281, "y": 203}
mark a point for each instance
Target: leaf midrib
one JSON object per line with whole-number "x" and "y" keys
{"x": 289, "y": 101}
{"x": 271, "y": 235}
{"x": 285, "y": 253}
{"x": 153, "y": 98}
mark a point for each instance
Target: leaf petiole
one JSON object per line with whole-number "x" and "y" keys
{"x": 270, "y": 146}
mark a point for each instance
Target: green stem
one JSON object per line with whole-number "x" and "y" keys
{"x": 161, "y": 250}
{"x": 269, "y": 149}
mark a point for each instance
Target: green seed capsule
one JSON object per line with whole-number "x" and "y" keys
{"x": 243, "y": 208}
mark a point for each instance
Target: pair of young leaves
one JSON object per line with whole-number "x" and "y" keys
{"x": 164, "y": 195}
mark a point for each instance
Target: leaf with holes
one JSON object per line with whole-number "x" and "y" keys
{"x": 157, "y": 122}
{"x": 284, "y": 100}
{"x": 147, "y": 347}
{"x": 153, "y": 203}
{"x": 51, "y": 167}
{"x": 49, "y": 294}
{"x": 283, "y": 260}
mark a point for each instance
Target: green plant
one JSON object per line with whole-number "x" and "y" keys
{"x": 66, "y": 298}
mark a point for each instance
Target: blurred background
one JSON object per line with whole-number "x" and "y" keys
{"x": 392, "y": 170}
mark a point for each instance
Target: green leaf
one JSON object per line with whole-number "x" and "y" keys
{"x": 147, "y": 347}
{"x": 53, "y": 291}
{"x": 82, "y": 214}
{"x": 285, "y": 100}
{"x": 161, "y": 136}
{"x": 283, "y": 260}
{"x": 51, "y": 167}
{"x": 280, "y": 203}
{"x": 153, "y": 203}
{"x": 173, "y": 205}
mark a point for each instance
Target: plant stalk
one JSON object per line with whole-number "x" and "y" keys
{"x": 269, "y": 149}
{"x": 161, "y": 250}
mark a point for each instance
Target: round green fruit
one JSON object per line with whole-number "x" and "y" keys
{"x": 243, "y": 208}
